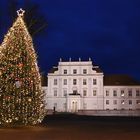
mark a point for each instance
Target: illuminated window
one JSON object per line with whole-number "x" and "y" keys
{"x": 55, "y": 81}
{"x": 94, "y": 81}
{"x": 84, "y": 81}
{"x": 122, "y": 93}
{"x": 107, "y": 102}
{"x": 65, "y": 71}
{"x": 84, "y": 71}
{"x": 74, "y": 81}
{"x": 122, "y": 102}
{"x": 65, "y": 81}
{"x": 94, "y": 92}
{"x": 137, "y": 101}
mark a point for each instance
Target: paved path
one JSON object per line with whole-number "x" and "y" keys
{"x": 75, "y": 128}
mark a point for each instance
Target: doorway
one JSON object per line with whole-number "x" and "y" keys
{"x": 74, "y": 106}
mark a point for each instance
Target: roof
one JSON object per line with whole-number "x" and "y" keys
{"x": 119, "y": 80}
{"x": 97, "y": 69}
{"x": 44, "y": 80}
{"x": 53, "y": 70}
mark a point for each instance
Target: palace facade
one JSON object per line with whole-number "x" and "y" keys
{"x": 81, "y": 86}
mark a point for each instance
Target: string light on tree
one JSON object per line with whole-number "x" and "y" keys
{"x": 21, "y": 97}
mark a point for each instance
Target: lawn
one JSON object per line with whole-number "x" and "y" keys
{"x": 72, "y": 127}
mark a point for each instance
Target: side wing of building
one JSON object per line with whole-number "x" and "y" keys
{"x": 121, "y": 92}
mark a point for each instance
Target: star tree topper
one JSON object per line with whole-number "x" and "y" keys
{"x": 20, "y": 12}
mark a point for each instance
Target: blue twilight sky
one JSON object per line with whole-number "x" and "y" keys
{"x": 108, "y": 31}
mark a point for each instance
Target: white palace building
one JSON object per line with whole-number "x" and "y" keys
{"x": 81, "y": 87}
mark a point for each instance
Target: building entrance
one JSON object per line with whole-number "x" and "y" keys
{"x": 74, "y": 106}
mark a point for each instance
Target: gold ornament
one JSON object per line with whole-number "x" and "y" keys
{"x": 29, "y": 99}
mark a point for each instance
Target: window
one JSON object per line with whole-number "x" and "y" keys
{"x": 55, "y": 92}
{"x": 137, "y": 93}
{"x": 137, "y": 102}
{"x": 94, "y": 81}
{"x": 65, "y": 92}
{"x": 94, "y": 92}
{"x": 107, "y": 92}
{"x": 122, "y": 102}
{"x": 65, "y": 71}
{"x": 74, "y": 71}
{"x": 107, "y": 102}
{"x": 74, "y": 81}
{"x": 130, "y": 102}
{"x": 114, "y": 93}
{"x": 55, "y": 81}
{"x": 114, "y": 102}
{"x": 122, "y": 93}
{"x": 130, "y": 93}
{"x": 84, "y": 71}
{"x": 84, "y": 92}
{"x": 84, "y": 81}
{"x": 74, "y": 91}
{"x": 65, "y": 81}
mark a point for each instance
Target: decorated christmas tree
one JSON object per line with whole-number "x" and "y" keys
{"x": 21, "y": 97}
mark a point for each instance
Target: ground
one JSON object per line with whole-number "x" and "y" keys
{"x": 72, "y": 127}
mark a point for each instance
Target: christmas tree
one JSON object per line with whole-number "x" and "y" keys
{"x": 21, "y": 97}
